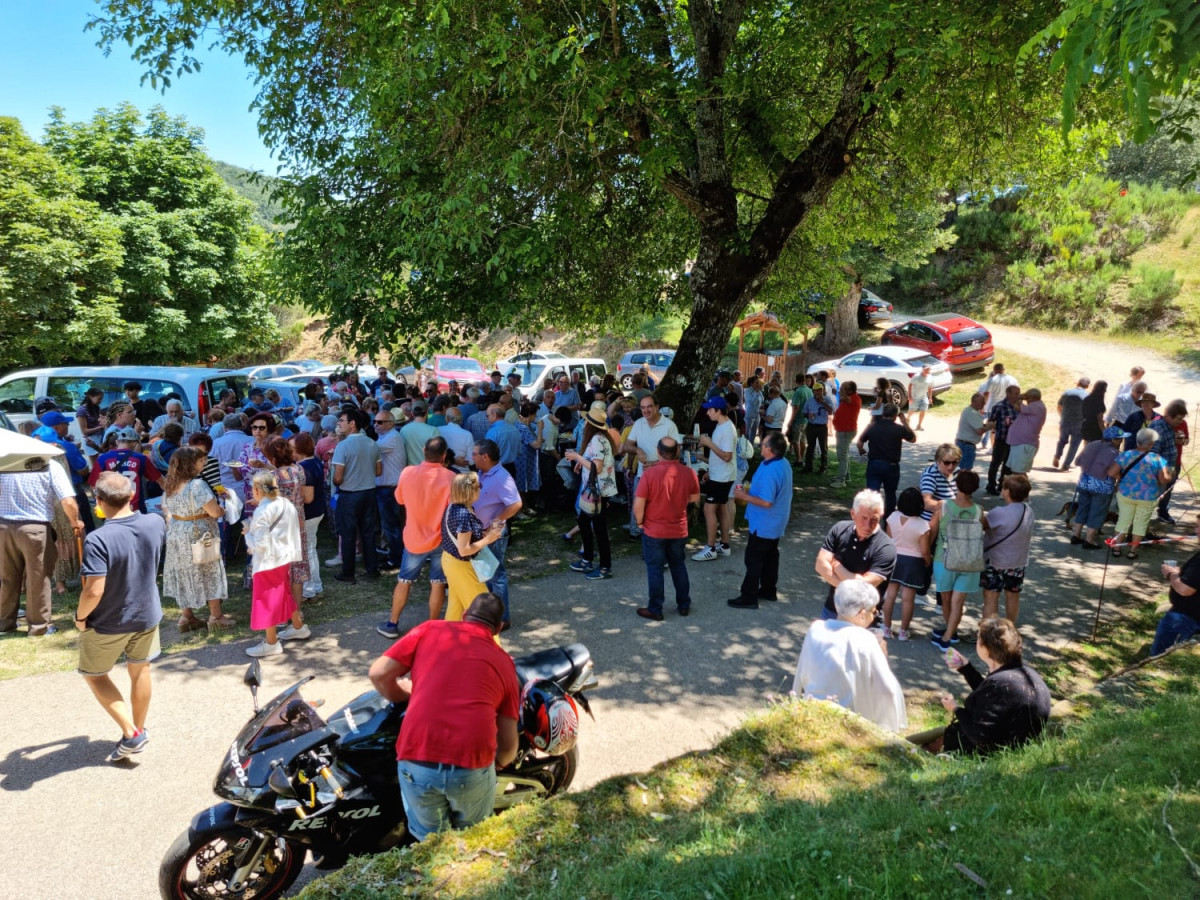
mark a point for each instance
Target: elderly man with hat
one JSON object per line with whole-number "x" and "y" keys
{"x": 55, "y": 429}
{"x": 722, "y": 472}
{"x": 27, "y": 552}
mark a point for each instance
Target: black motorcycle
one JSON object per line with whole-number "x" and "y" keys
{"x": 294, "y": 782}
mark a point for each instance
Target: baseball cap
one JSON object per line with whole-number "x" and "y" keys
{"x": 54, "y": 417}
{"x": 715, "y": 403}
{"x": 1112, "y": 432}
{"x": 128, "y": 434}
{"x": 418, "y": 408}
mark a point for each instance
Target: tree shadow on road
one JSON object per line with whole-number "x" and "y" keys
{"x": 26, "y": 766}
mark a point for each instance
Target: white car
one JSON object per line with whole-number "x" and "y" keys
{"x": 897, "y": 364}
{"x": 531, "y": 356}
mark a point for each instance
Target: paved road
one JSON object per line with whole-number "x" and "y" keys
{"x": 77, "y": 827}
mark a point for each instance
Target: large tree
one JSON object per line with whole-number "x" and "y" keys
{"x": 192, "y": 269}
{"x": 465, "y": 165}
{"x": 58, "y": 260}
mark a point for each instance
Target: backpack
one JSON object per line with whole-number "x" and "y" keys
{"x": 962, "y": 540}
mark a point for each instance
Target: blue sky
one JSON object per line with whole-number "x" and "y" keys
{"x": 47, "y": 59}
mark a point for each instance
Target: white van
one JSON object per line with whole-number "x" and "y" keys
{"x": 198, "y": 389}
{"x": 534, "y": 369}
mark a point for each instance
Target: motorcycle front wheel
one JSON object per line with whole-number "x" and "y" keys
{"x": 201, "y": 868}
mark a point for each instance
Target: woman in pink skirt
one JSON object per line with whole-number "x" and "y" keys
{"x": 274, "y": 540}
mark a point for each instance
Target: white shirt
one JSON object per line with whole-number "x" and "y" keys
{"x": 647, "y": 436}
{"x": 844, "y": 663}
{"x": 995, "y": 388}
{"x": 392, "y": 455}
{"x": 459, "y": 440}
{"x": 274, "y": 535}
{"x": 776, "y": 410}
{"x": 724, "y": 436}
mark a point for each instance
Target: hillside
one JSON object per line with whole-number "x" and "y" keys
{"x": 256, "y": 188}
{"x": 1091, "y": 256}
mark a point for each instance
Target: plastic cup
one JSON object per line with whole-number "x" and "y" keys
{"x": 1170, "y": 562}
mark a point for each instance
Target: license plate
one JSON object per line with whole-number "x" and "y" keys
{"x": 972, "y": 346}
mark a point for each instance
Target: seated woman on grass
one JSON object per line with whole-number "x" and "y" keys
{"x": 1006, "y": 708}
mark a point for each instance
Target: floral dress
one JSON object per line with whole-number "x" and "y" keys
{"x": 249, "y": 452}
{"x": 190, "y": 585}
{"x": 529, "y": 477}
{"x": 291, "y": 487}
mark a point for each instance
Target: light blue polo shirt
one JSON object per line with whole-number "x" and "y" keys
{"x": 772, "y": 482}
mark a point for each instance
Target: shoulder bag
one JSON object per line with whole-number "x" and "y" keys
{"x": 484, "y": 561}
{"x": 963, "y": 542}
{"x": 589, "y": 493}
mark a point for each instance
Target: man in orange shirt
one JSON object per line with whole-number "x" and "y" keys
{"x": 428, "y": 487}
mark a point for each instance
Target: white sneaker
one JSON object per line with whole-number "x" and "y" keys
{"x": 705, "y": 554}
{"x": 295, "y": 634}
{"x": 336, "y": 561}
{"x": 262, "y": 648}
{"x": 724, "y": 550}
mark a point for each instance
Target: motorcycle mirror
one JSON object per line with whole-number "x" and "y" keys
{"x": 252, "y": 679}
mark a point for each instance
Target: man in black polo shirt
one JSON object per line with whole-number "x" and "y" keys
{"x": 857, "y": 549}
{"x": 886, "y": 437}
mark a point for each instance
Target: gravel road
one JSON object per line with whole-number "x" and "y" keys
{"x": 81, "y": 828}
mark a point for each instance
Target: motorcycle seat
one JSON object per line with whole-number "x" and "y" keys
{"x": 559, "y": 664}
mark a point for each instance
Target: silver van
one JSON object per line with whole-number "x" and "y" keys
{"x": 198, "y": 389}
{"x": 533, "y": 370}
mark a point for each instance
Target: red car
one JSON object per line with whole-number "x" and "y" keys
{"x": 961, "y": 343}
{"x": 443, "y": 367}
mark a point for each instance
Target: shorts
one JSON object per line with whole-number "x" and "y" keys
{"x": 717, "y": 491}
{"x": 1020, "y": 457}
{"x": 946, "y": 581}
{"x": 919, "y": 405}
{"x": 1009, "y": 580}
{"x": 412, "y": 563}
{"x": 98, "y": 653}
{"x": 909, "y": 571}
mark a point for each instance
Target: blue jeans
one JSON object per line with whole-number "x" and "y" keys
{"x": 357, "y": 517}
{"x": 1091, "y": 508}
{"x": 391, "y": 523}
{"x": 967, "y": 449}
{"x": 658, "y": 552}
{"x": 498, "y": 583}
{"x": 885, "y": 475}
{"x": 437, "y": 797}
{"x": 1069, "y": 438}
{"x": 1173, "y": 628}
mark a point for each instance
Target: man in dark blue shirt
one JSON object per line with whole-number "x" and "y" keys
{"x": 768, "y": 508}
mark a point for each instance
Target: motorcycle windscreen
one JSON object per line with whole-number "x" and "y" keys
{"x": 286, "y": 717}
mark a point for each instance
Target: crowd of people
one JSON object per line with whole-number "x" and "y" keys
{"x": 430, "y": 478}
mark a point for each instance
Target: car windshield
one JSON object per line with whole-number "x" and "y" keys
{"x": 458, "y": 364}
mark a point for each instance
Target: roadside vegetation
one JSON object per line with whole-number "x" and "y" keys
{"x": 804, "y": 800}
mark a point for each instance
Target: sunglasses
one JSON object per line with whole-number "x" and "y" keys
{"x": 258, "y": 427}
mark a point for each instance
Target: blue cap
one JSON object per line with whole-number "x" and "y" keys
{"x": 1112, "y": 432}
{"x": 715, "y": 403}
{"x": 54, "y": 417}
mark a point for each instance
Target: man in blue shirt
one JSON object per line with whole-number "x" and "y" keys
{"x": 768, "y": 508}
{"x": 506, "y": 437}
{"x": 498, "y": 500}
{"x": 55, "y": 427}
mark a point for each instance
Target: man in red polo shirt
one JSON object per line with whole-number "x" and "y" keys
{"x": 461, "y": 722}
{"x": 424, "y": 492}
{"x": 660, "y": 512}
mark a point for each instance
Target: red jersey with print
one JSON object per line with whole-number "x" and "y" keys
{"x": 133, "y": 466}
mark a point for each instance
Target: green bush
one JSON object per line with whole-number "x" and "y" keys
{"x": 1151, "y": 294}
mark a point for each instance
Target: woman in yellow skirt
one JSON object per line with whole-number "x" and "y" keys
{"x": 463, "y": 538}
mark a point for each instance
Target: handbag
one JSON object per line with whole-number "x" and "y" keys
{"x": 206, "y": 550}
{"x": 485, "y": 564}
{"x": 589, "y": 494}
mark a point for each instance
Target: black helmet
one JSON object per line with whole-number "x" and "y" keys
{"x": 549, "y": 718}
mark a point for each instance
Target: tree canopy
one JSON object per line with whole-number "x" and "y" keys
{"x": 467, "y": 165}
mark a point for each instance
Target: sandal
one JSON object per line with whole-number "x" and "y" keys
{"x": 221, "y": 621}
{"x": 1116, "y": 551}
{"x": 189, "y": 623}
{"x": 1132, "y": 554}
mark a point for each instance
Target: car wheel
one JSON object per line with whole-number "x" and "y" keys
{"x": 627, "y": 382}
{"x": 898, "y": 395}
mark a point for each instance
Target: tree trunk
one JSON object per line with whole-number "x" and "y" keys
{"x": 699, "y": 354}
{"x": 841, "y": 323}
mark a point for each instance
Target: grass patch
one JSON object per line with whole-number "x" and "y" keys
{"x": 1028, "y": 371}
{"x": 804, "y": 801}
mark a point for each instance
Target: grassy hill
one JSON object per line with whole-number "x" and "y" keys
{"x": 257, "y": 189}
{"x": 1090, "y": 256}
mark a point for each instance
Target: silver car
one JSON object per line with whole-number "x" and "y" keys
{"x": 897, "y": 364}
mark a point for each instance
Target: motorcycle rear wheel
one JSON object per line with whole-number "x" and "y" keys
{"x": 564, "y": 772}
{"x": 200, "y": 869}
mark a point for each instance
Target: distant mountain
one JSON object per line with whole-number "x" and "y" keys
{"x": 256, "y": 189}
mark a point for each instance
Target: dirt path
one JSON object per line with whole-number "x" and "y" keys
{"x": 666, "y": 688}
